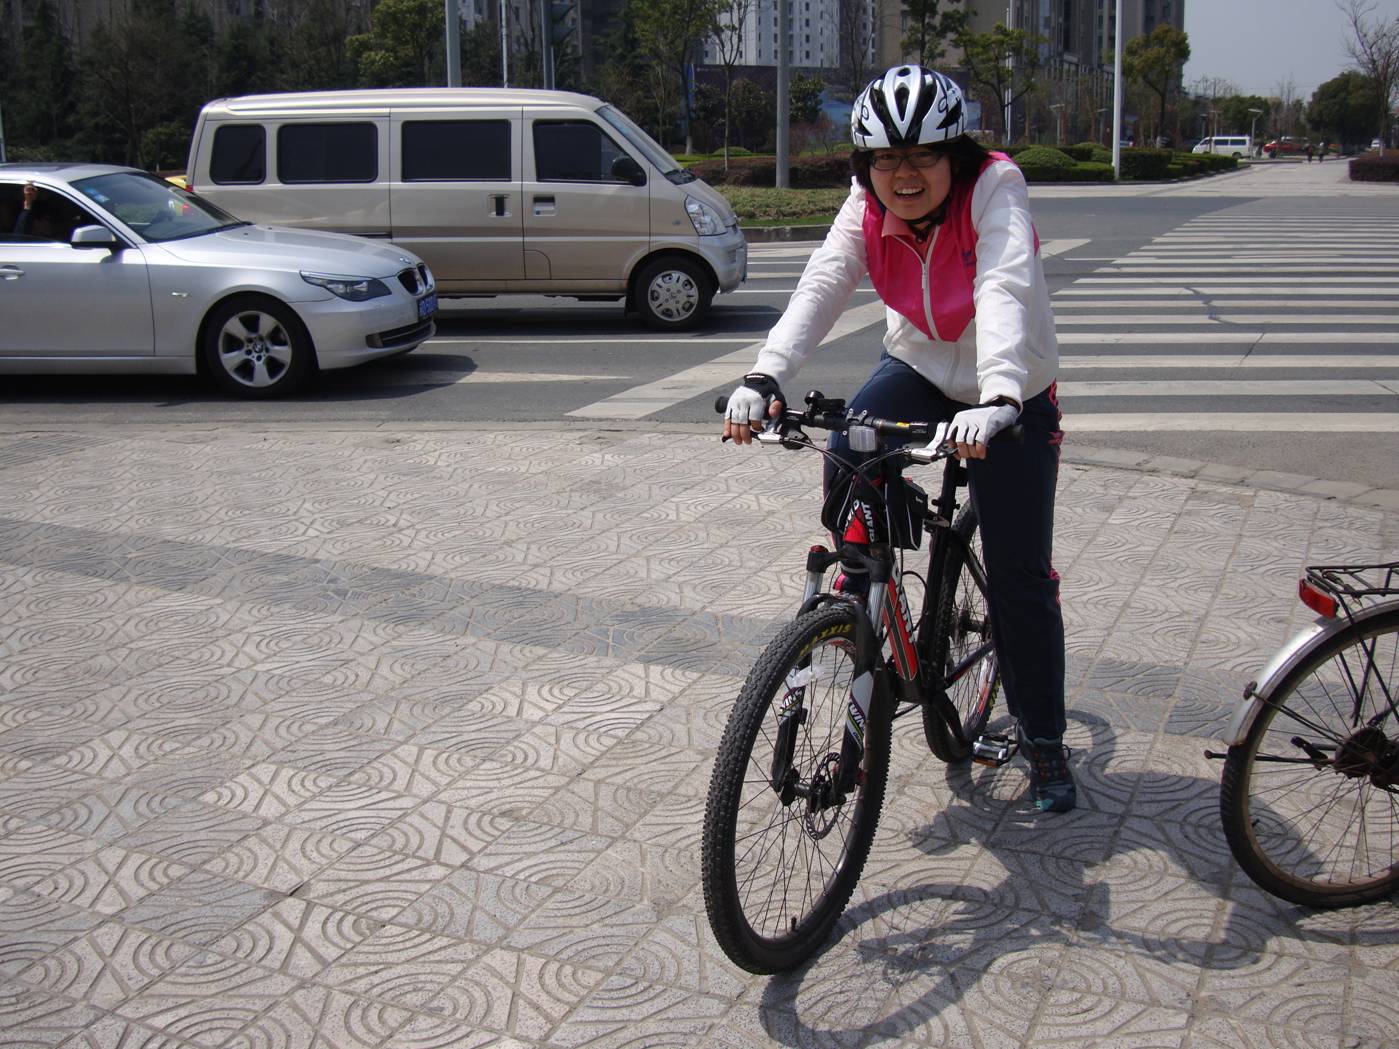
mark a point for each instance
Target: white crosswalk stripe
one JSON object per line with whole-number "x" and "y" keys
{"x": 1252, "y": 324}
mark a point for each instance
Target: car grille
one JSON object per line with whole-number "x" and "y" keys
{"x": 413, "y": 280}
{"x": 405, "y": 336}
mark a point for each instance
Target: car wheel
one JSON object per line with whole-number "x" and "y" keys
{"x": 672, "y": 294}
{"x": 256, "y": 347}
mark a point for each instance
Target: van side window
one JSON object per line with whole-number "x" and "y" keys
{"x": 573, "y": 151}
{"x": 240, "y": 154}
{"x": 327, "y": 153}
{"x": 456, "y": 150}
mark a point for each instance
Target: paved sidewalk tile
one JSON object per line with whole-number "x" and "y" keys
{"x": 314, "y": 737}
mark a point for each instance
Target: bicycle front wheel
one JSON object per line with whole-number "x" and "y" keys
{"x": 1310, "y": 798}
{"x": 783, "y": 843}
{"x": 963, "y": 659}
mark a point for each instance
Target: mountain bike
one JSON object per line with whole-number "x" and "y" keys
{"x": 1310, "y": 792}
{"x": 799, "y": 780}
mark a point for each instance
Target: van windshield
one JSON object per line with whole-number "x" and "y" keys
{"x": 646, "y": 145}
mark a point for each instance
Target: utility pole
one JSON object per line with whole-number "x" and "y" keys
{"x": 1010, "y": 70}
{"x": 504, "y": 45}
{"x": 546, "y": 44}
{"x": 1117, "y": 97}
{"x": 453, "y": 19}
{"x": 783, "y": 72}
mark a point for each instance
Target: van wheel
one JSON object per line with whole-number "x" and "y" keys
{"x": 672, "y": 294}
{"x": 256, "y": 347}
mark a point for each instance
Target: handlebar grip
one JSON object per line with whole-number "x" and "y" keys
{"x": 721, "y": 404}
{"x": 1014, "y": 434}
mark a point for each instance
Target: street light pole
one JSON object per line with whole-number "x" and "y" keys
{"x": 453, "y": 20}
{"x": 1117, "y": 97}
{"x": 1058, "y": 108}
{"x": 1252, "y": 127}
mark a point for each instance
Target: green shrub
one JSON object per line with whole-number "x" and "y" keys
{"x": 1043, "y": 157}
{"x": 1086, "y": 171}
{"x": 1371, "y": 167}
{"x": 1145, "y": 163}
{"x": 1101, "y": 156}
{"x": 767, "y": 204}
{"x": 1080, "y": 151}
{"x": 808, "y": 171}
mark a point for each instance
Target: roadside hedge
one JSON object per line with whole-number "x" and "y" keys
{"x": 807, "y": 171}
{"x": 1145, "y": 164}
{"x": 1371, "y": 167}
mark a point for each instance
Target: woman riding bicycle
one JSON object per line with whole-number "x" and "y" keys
{"x": 942, "y": 228}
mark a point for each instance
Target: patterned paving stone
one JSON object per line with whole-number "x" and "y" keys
{"x": 324, "y": 738}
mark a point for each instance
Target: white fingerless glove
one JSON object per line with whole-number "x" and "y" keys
{"x": 746, "y": 406}
{"x": 976, "y": 425}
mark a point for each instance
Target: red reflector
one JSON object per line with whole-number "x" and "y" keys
{"x": 817, "y": 549}
{"x": 1320, "y": 603}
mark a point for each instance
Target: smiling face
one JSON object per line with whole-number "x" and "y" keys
{"x": 916, "y": 186}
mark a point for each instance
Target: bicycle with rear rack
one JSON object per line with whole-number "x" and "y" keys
{"x": 799, "y": 780}
{"x": 1309, "y": 797}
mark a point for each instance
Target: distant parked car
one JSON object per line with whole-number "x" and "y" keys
{"x": 1375, "y": 143}
{"x": 120, "y": 271}
{"x": 1286, "y": 146}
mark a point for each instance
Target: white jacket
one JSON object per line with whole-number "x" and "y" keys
{"x": 1007, "y": 349}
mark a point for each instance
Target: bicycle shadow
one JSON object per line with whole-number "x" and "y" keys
{"x": 1108, "y": 901}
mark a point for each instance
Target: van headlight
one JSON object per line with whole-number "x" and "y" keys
{"x": 707, "y": 221}
{"x": 356, "y": 289}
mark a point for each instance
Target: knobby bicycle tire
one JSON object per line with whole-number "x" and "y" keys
{"x": 1314, "y": 827}
{"x": 777, "y": 875}
{"x": 961, "y": 625}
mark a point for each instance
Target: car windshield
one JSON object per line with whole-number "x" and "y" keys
{"x": 646, "y": 145}
{"x": 154, "y": 208}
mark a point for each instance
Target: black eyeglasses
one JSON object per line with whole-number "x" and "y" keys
{"x": 918, "y": 158}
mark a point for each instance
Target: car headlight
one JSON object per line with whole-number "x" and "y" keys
{"x": 707, "y": 221}
{"x": 356, "y": 289}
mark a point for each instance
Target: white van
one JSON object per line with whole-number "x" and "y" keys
{"x": 499, "y": 190}
{"x": 1228, "y": 145}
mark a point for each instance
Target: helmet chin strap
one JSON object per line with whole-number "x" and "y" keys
{"x": 922, "y": 227}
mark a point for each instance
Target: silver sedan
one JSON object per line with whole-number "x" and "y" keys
{"x": 110, "y": 269}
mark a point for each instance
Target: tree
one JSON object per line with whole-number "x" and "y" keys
{"x": 39, "y": 90}
{"x": 668, "y": 31}
{"x": 403, "y": 47}
{"x": 1000, "y": 63}
{"x": 804, "y": 98}
{"x": 728, "y": 45}
{"x": 1375, "y": 50}
{"x": 1155, "y": 60}
{"x": 754, "y": 113}
{"x": 929, "y": 28}
{"x": 1235, "y": 115}
{"x": 856, "y": 36}
{"x": 1343, "y": 108}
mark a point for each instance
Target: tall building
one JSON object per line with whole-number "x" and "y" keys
{"x": 812, "y": 29}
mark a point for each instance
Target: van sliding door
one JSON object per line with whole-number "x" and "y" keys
{"x": 455, "y": 195}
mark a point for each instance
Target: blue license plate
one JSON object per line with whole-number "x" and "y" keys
{"x": 427, "y": 306}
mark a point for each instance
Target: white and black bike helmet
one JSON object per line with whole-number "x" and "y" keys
{"x": 908, "y": 106}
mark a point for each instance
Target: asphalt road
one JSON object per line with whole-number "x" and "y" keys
{"x": 1255, "y": 331}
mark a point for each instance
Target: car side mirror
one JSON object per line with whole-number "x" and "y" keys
{"x": 628, "y": 170}
{"x": 95, "y": 237}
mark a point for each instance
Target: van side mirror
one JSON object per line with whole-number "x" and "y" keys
{"x": 95, "y": 237}
{"x": 628, "y": 170}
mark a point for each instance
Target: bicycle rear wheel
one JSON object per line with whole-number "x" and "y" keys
{"x": 1310, "y": 798}
{"x": 782, "y": 849}
{"x": 963, "y": 658}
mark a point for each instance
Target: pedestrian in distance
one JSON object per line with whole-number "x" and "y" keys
{"x": 1321, "y": 153}
{"x": 931, "y": 208}
{"x": 1309, "y": 152}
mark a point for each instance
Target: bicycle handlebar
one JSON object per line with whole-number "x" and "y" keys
{"x": 830, "y": 414}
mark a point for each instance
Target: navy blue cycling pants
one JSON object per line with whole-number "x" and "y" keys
{"x": 1012, "y": 490}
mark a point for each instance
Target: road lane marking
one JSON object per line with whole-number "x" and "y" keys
{"x": 651, "y": 397}
{"x": 1237, "y": 422}
{"x": 1230, "y": 388}
{"x": 1198, "y": 338}
{"x": 1233, "y": 319}
{"x": 1191, "y": 300}
{"x": 1187, "y": 360}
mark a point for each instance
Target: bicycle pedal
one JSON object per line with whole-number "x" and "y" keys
{"x": 994, "y": 751}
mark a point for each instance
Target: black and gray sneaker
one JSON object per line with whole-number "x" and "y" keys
{"x": 1051, "y": 783}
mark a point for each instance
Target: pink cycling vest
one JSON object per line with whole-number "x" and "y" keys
{"x": 896, "y": 267}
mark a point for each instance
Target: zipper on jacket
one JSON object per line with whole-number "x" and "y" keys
{"x": 925, "y": 264}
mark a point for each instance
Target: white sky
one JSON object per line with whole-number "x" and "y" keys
{"x": 1257, "y": 44}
